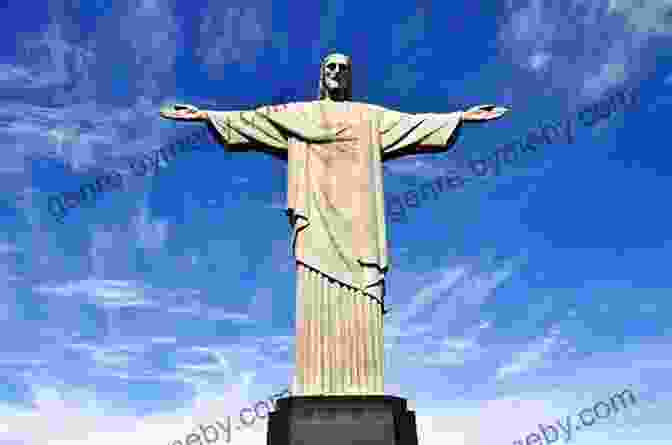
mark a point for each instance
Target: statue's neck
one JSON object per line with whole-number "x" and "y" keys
{"x": 335, "y": 96}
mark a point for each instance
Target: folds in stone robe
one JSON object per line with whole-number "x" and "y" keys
{"x": 336, "y": 208}
{"x": 335, "y": 194}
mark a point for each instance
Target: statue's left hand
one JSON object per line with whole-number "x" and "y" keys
{"x": 183, "y": 112}
{"x": 484, "y": 113}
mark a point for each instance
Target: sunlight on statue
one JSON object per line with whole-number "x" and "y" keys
{"x": 335, "y": 149}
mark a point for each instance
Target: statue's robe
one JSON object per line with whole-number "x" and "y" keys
{"x": 335, "y": 204}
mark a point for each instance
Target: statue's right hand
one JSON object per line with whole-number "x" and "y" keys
{"x": 183, "y": 112}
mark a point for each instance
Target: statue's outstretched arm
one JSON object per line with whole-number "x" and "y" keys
{"x": 245, "y": 130}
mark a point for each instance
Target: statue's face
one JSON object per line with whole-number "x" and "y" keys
{"x": 336, "y": 72}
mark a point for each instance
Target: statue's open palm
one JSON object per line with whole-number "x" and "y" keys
{"x": 182, "y": 112}
{"x": 484, "y": 113}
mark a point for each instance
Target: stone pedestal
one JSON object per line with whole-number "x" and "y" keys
{"x": 342, "y": 420}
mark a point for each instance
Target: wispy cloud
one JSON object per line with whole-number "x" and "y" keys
{"x": 433, "y": 291}
{"x": 536, "y": 37}
{"x": 107, "y": 293}
{"x": 232, "y": 34}
{"x": 433, "y": 316}
{"x": 531, "y": 357}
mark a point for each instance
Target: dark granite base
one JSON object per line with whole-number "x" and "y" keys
{"x": 342, "y": 420}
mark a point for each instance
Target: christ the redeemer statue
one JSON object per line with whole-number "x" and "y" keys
{"x": 335, "y": 149}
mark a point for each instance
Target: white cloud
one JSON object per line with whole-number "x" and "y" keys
{"x": 459, "y": 344}
{"x": 154, "y": 33}
{"x": 533, "y": 23}
{"x": 437, "y": 308}
{"x": 539, "y": 60}
{"x": 611, "y": 73}
{"x": 645, "y": 16}
{"x": 115, "y": 357}
{"x": 231, "y": 34}
{"x": 452, "y": 351}
{"x": 532, "y": 357}
{"x": 206, "y": 312}
{"x": 537, "y": 38}
{"x": 470, "y": 292}
{"x": 163, "y": 340}
{"x": 112, "y": 294}
{"x": 68, "y": 415}
{"x": 433, "y": 291}
{"x": 81, "y": 135}
{"x": 52, "y": 61}
{"x": 425, "y": 170}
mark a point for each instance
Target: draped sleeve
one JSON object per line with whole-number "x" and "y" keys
{"x": 405, "y": 133}
{"x": 245, "y": 130}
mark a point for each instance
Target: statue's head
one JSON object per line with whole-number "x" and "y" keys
{"x": 336, "y": 77}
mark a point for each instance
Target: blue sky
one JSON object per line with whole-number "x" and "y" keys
{"x": 516, "y": 301}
